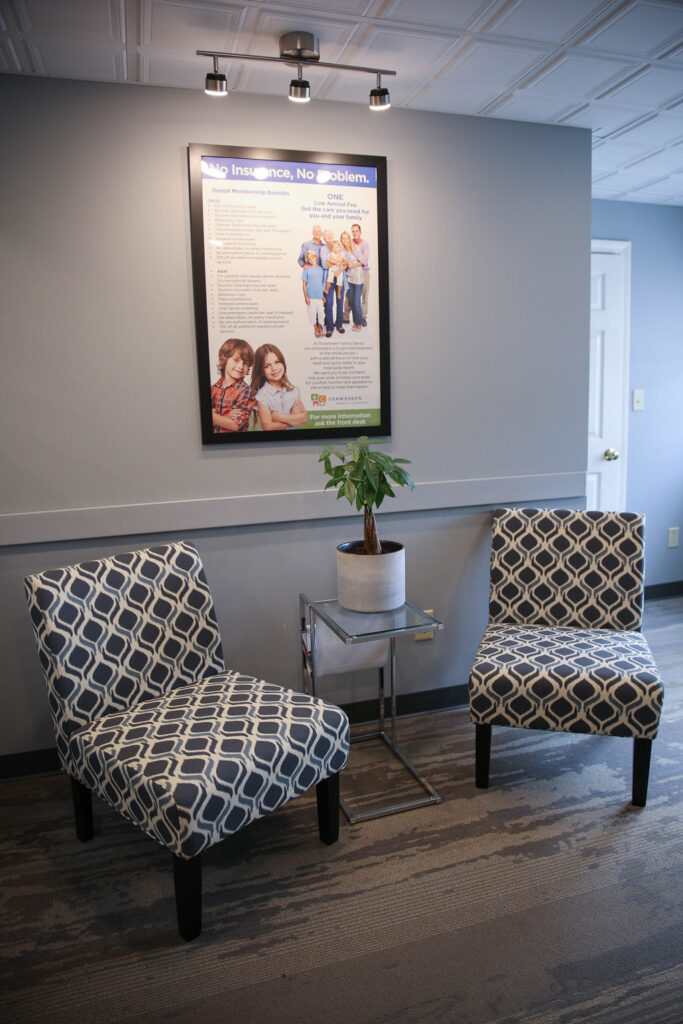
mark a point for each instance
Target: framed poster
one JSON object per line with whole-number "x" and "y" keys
{"x": 289, "y": 260}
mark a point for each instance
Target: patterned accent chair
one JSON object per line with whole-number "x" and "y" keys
{"x": 147, "y": 717}
{"x": 563, "y": 648}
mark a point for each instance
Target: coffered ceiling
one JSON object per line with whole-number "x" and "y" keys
{"x": 615, "y": 67}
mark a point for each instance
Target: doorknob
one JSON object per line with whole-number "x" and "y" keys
{"x": 611, "y": 454}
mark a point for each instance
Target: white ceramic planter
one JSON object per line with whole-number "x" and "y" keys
{"x": 371, "y": 583}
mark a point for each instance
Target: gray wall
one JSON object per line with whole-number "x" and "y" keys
{"x": 489, "y": 276}
{"x": 655, "y": 435}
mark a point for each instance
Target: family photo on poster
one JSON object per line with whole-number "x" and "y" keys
{"x": 289, "y": 261}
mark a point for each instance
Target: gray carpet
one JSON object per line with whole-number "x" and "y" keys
{"x": 547, "y": 898}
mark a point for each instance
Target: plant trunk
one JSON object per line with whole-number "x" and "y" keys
{"x": 371, "y": 544}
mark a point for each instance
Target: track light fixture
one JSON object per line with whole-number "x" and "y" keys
{"x": 216, "y": 84}
{"x": 297, "y": 49}
{"x": 379, "y": 97}
{"x": 299, "y": 89}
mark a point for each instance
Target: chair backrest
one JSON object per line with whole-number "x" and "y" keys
{"x": 556, "y": 567}
{"x": 116, "y": 631}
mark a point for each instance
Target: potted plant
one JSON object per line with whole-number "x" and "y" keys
{"x": 370, "y": 574}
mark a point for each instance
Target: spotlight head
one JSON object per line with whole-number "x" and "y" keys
{"x": 379, "y": 99}
{"x": 299, "y": 90}
{"x": 216, "y": 84}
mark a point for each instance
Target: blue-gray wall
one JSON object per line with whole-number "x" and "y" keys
{"x": 489, "y": 299}
{"x": 655, "y": 439}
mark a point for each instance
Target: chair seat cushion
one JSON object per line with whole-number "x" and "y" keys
{"x": 203, "y": 761}
{"x": 566, "y": 679}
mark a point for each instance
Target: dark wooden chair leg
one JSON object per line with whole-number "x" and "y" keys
{"x": 641, "y": 771}
{"x": 187, "y": 880}
{"x": 82, "y": 799}
{"x": 482, "y": 756}
{"x": 327, "y": 795}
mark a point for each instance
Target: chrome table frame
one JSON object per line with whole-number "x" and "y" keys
{"x": 357, "y": 628}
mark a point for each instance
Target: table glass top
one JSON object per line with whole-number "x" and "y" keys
{"x": 355, "y": 626}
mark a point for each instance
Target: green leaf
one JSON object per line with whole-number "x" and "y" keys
{"x": 401, "y": 477}
{"x": 372, "y": 474}
{"x": 350, "y": 490}
{"x": 381, "y": 458}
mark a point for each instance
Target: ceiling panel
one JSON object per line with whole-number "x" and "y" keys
{"x": 602, "y": 118}
{"x": 87, "y": 20}
{"x": 186, "y": 27}
{"x": 175, "y": 73}
{"x": 651, "y": 88}
{"x": 347, "y": 8}
{"x": 541, "y": 19}
{"x": 658, "y": 131}
{"x": 523, "y": 107}
{"x": 407, "y": 53}
{"x": 452, "y": 13}
{"x": 665, "y": 189}
{"x": 639, "y": 29}
{"x": 492, "y": 66}
{"x": 63, "y": 61}
{"x": 341, "y": 88}
{"x": 607, "y": 159}
{"x": 600, "y": 191}
{"x": 574, "y": 73}
{"x": 664, "y": 162}
{"x": 629, "y": 181}
{"x": 441, "y": 95}
{"x": 672, "y": 55}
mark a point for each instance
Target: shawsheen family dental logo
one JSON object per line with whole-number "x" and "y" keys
{"x": 318, "y": 401}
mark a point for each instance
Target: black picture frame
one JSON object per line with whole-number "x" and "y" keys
{"x": 235, "y": 189}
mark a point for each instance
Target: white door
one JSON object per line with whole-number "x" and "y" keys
{"x": 609, "y": 375}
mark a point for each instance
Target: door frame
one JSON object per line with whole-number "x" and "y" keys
{"x": 614, "y": 247}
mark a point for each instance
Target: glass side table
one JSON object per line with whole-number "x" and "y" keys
{"x": 322, "y": 655}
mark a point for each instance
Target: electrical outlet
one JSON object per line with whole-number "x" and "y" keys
{"x": 430, "y": 634}
{"x": 672, "y": 542}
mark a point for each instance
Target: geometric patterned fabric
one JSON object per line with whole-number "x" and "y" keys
{"x": 570, "y": 680}
{"x": 118, "y": 630}
{"x": 145, "y": 714}
{"x": 563, "y": 650}
{"x": 202, "y": 762}
{"x": 567, "y": 568}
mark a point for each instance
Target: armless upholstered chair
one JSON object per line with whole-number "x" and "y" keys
{"x": 563, "y": 649}
{"x": 147, "y": 717}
